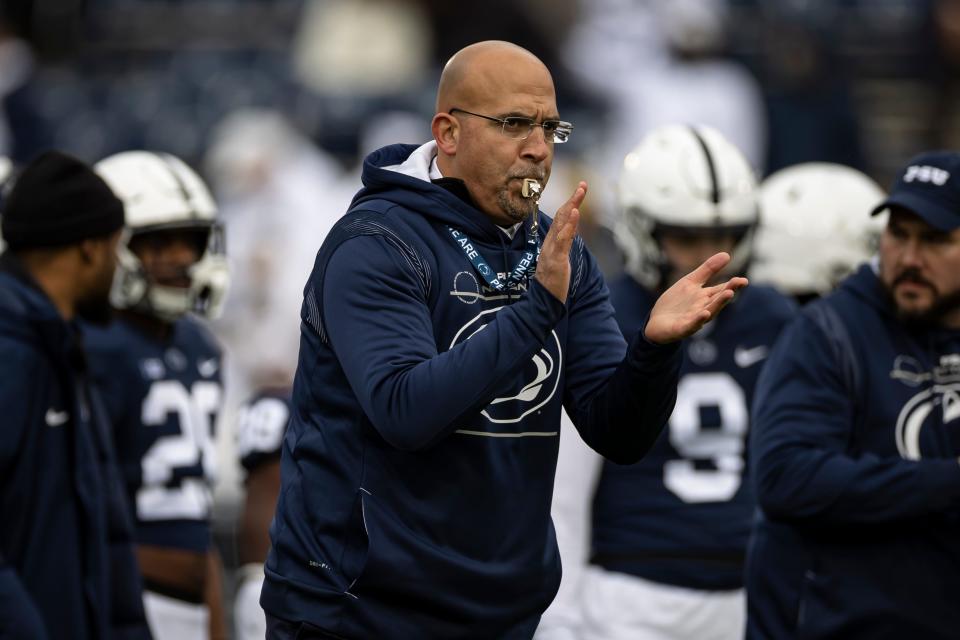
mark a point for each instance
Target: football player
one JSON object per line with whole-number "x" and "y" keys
{"x": 667, "y": 535}
{"x": 811, "y": 233}
{"x": 260, "y": 426}
{"x": 159, "y": 369}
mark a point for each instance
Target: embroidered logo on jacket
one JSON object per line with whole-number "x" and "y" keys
{"x": 919, "y": 421}
{"x": 926, "y": 173}
{"x": 533, "y": 389}
{"x": 465, "y": 287}
{"x": 56, "y": 418}
{"x": 938, "y": 404}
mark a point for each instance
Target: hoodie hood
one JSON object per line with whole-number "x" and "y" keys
{"x": 400, "y": 173}
{"x": 864, "y": 283}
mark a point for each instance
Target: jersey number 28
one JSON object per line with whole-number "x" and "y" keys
{"x": 192, "y": 447}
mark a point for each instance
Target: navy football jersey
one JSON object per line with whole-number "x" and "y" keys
{"x": 261, "y": 423}
{"x": 682, "y": 515}
{"x": 163, "y": 397}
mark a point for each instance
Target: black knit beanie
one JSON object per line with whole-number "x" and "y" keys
{"x": 58, "y": 200}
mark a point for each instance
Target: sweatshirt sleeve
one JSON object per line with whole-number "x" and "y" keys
{"x": 619, "y": 396}
{"x": 19, "y": 617}
{"x": 378, "y": 323}
{"x": 803, "y": 417}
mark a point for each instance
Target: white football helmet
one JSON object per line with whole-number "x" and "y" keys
{"x": 159, "y": 192}
{"x": 815, "y": 227}
{"x": 683, "y": 177}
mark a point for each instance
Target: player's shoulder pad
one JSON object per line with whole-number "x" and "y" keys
{"x": 261, "y": 424}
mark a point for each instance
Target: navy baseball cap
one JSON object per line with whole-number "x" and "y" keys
{"x": 929, "y": 186}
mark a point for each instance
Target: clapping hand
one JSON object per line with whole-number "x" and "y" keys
{"x": 553, "y": 266}
{"x": 684, "y": 308}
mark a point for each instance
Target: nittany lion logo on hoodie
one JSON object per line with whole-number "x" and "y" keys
{"x": 938, "y": 403}
{"x": 536, "y": 385}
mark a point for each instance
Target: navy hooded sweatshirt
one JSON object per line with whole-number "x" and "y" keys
{"x": 854, "y": 448}
{"x": 67, "y": 568}
{"x": 419, "y": 460}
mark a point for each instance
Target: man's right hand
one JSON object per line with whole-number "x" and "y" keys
{"x": 553, "y": 266}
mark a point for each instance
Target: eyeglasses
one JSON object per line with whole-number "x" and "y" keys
{"x": 520, "y": 128}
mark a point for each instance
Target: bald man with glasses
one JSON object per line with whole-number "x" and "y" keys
{"x": 446, "y": 323}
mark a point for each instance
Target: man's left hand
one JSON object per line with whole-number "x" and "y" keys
{"x": 688, "y": 305}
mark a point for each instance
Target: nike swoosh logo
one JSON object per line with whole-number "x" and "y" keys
{"x": 744, "y": 357}
{"x": 56, "y": 418}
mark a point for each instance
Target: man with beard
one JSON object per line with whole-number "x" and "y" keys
{"x": 856, "y": 437}
{"x": 160, "y": 371}
{"x": 67, "y": 568}
{"x": 440, "y": 340}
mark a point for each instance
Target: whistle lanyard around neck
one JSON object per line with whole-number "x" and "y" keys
{"x": 524, "y": 269}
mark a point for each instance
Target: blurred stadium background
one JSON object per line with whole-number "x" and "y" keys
{"x": 275, "y": 102}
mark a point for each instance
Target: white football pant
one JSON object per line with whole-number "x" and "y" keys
{"x": 172, "y": 619}
{"x": 250, "y": 622}
{"x": 618, "y": 606}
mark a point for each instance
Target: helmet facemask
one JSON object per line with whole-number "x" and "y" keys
{"x": 161, "y": 194}
{"x": 204, "y": 283}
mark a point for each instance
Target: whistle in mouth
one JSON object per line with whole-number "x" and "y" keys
{"x": 531, "y": 188}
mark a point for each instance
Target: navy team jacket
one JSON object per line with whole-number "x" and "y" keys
{"x": 67, "y": 568}
{"x": 419, "y": 460}
{"x": 856, "y": 433}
